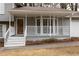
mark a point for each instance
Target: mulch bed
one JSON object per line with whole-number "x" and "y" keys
{"x": 1, "y": 42}
{"x": 46, "y": 41}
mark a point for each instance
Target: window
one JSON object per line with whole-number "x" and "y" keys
{"x": 46, "y": 24}
{"x": 2, "y": 8}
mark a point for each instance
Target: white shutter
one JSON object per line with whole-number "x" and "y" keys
{"x": 2, "y": 10}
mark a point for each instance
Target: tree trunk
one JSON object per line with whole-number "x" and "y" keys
{"x": 18, "y": 5}
{"x": 71, "y": 6}
{"x": 25, "y": 4}
{"x": 76, "y": 6}
{"x": 63, "y": 5}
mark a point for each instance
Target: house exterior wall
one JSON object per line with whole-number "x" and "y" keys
{"x": 75, "y": 27}
{"x": 4, "y": 17}
{"x": 2, "y": 8}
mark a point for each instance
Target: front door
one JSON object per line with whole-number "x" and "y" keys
{"x": 20, "y": 26}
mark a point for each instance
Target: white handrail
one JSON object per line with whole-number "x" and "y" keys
{"x": 6, "y": 34}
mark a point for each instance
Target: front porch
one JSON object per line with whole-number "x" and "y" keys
{"x": 34, "y": 21}
{"x": 41, "y": 26}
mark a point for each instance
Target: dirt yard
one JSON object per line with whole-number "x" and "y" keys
{"x": 42, "y": 52}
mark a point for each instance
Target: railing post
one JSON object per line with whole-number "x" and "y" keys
{"x": 54, "y": 25}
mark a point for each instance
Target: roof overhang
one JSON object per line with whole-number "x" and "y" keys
{"x": 75, "y": 14}
{"x": 33, "y": 11}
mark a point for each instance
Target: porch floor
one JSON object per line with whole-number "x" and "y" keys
{"x": 18, "y": 35}
{"x": 41, "y": 37}
{"x": 45, "y": 37}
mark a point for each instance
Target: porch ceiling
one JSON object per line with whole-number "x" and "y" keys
{"x": 34, "y": 11}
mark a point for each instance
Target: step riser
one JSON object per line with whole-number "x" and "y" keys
{"x": 15, "y": 41}
{"x": 14, "y": 45}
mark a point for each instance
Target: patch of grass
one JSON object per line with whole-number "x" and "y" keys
{"x": 42, "y": 52}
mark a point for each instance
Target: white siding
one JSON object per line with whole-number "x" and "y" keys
{"x": 75, "y": 28}
{"x": 5, "y": 16}
{"x": 2, "y": 10}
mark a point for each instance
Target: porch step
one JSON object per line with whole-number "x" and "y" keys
{"x": 15, "y": 41}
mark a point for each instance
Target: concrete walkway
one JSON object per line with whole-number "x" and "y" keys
{"x": 43, "y": 46}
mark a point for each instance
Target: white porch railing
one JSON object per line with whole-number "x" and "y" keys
{"x": 42, "y": 31}
{"x": 6, "y": 35}
{"x": 48, "y": 30}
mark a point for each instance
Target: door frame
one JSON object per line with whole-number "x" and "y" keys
{"x": 37, "y": 26}
{"x": 16, "y": 24}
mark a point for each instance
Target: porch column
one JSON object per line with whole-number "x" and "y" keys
{"x": 57, "y": 27}
{"x": 70, "y": 25}
{"x": 25, "y": 32}
{"x": 41, "y": 25}
{"x": 54, "y": 25}
{"x": 50, "y": 25}
{"x": 62, "y": 27}
{"x": 9, "y": 24}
